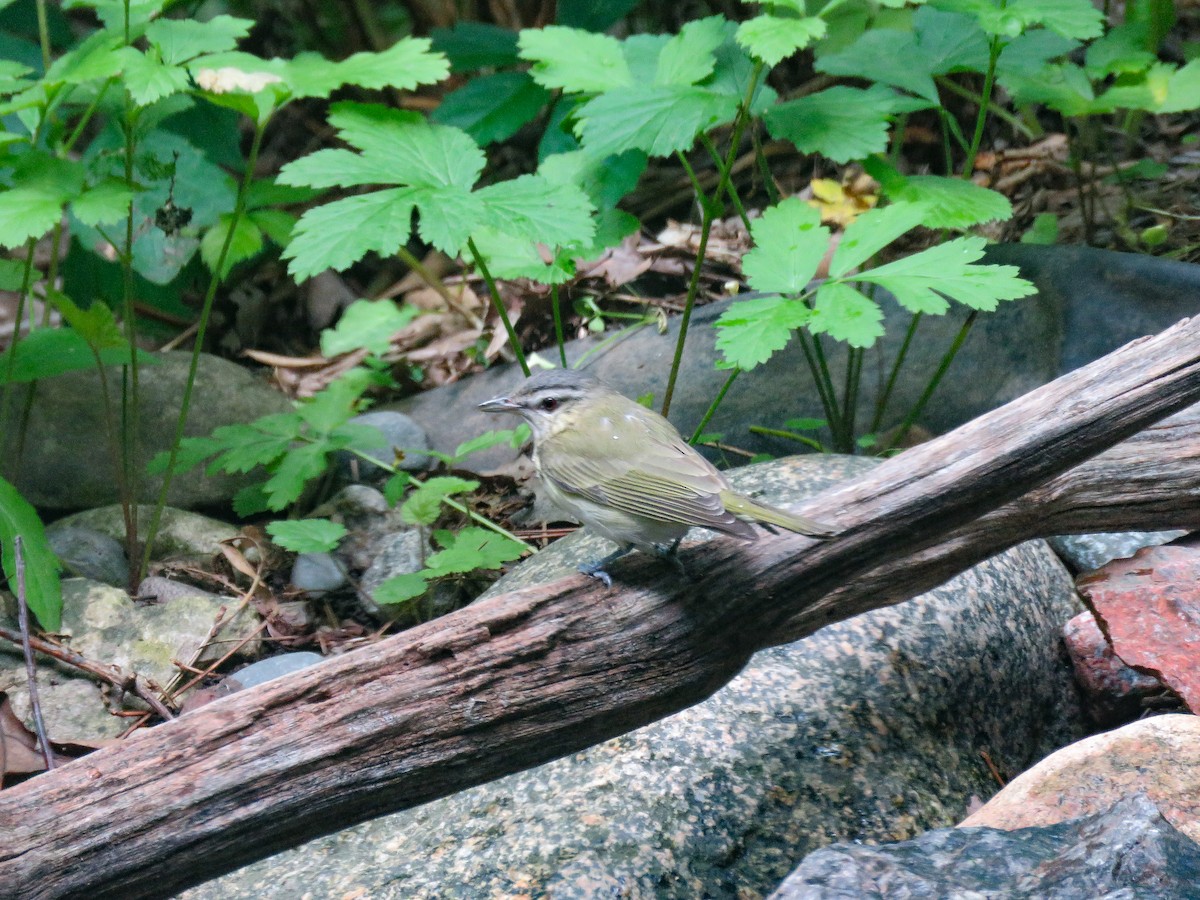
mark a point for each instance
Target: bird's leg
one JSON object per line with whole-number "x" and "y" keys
{"x": 596, "y": 569}
{"x": 671, "y": 555}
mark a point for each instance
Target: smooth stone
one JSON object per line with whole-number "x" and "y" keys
{"x": 1088, "y": 552}
{"x": 871, "y": 729}
{"x": 317, "y": 573}
{"x": 1128, "y": 851}
{"x": 86, "y": 553}
{"x": 67, "y": 463}
{"x": 274, "y": 667}
{"x": 1158, "y": 756}
{"x": 104, "y": 625}
{"x": 403, "y": 435}
{"x": 182, "y": 534}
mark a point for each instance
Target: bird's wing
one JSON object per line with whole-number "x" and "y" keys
{"x": 673, "y": 483}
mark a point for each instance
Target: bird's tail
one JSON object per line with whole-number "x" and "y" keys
{"x": 751, "y": 510}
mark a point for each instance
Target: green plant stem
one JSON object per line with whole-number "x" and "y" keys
{"x": 993, "y": 108}
{"x": 498, "y": 304}
{"x": 726, "y": 178}
{"x": 886, "y": 395}
{"x": 825, "y": 386}
{"x": 556, "y": 306}
{"x": 438, "y": 285}
{"x": 985, "y": 99}
{"x": 693, "y": 288}
{"x": 712, "y": 407}
{"x": 789, "y": 435}
{"x": 210, "y": 295}
{"x": 943, "y": 366}
{"x": 13, "y": 455}
{"x": 764, "y": 170}
{"x": 43, "y": 34}
{"x": 854, "y": 364}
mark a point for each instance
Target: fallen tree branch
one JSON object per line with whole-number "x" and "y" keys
{"x": 529, "y": 676}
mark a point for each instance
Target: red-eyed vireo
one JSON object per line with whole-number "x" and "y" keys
{"x": 626, "y": 473}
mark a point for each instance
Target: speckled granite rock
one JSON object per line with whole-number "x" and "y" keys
{"x": 1086, "y": 552}
{"x": 104, "y": 625}
{"x": 1159, "y": 756}
{"x": 1113, "y": 693}
{"x": 871, "y": 729}
{"x": 1127, "y": 851}
{"x": 180, "y": 534}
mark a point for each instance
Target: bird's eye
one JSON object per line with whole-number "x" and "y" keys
{"x": 549, "y": 404}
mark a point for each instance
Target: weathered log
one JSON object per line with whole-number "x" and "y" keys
{"x": 529, "y": 676}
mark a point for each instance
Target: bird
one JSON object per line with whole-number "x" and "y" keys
{"x": 625, "y": 472}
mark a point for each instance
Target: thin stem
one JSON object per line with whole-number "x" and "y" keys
{"x": 43, "y": 34}
{"x": 438, "y": 285}
{"x": 886, "y": 394}
{"x": 558, "y": 325}
{"x": 210, "y": 295}
{"x": 835, "y": 420}
{"x": 993, "y": 108}
{"x": 39, "y": 725}
{"x": 726, "y": 178}
{"x": 821, "y": 379}
{"x": 693, "y": 288}
{"x": 916, "y": 411}
{"x": 712, "y": 407}
{"x": 854, "y": 364}
{"x": 14, "y": 456}
{"x": 985, "y": 99}
{"x": 789, "y": 435}
{"x": 498, "y": 305}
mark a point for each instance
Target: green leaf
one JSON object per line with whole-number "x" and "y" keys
{"x": 575, "y": 61}
{"x": 656, "y": 119}
{"x": 1069, "y": 18}
{"x": 1044, "y": 230}
{"x": 921, "y": 281}
{"x": 97, "y": 325}
{"x": 871, "y": 232}
{"x": 789, "y": 243}
{"x": 485, "y": 441}
{"x": 369, "y": 324}
{"x": 606, "y": 181}
{"x": 307, "y": 535}
{"x": 337, "y": 402}
{"x": 516, "y": 257}
{"x": 33, "y": 204}
{"x": 47, "y": 352}
{"x": 178, "y": 40}
{"x": 952, "y": 202}
{"x": 338, "y": 234}
{"x": 100, "y": 57}
{"x": 845, "y": 314}
{"x": 688, "y": 56}
{"x": 538, "y": 210}
{"x": 476, "y": 45}
{"x": 1183, "y": 90}
{"x": 493, "y": 108}
{"x": 842, "y": 123}
{"x": 475, "y": 548}
{"x": 12, "y": 274}
{"x": 104, "y": 204}
{"x": 148, "y": 79}
{"x": 1120, "y": 52}
{"x": 259, "y": 443}
{"x": 400, "y": 588}
{"x": 774, "y": 38}
{"x": 750, "y": 331}
{"x": 424, "y": 504}
{"x": 593, "y": 15}
{"x": 275, "y": 224}
{"x": 403, "y": 66}
{"x": 297, "y": 468}
{"x": 246, "y": 244}
{"x": 43, "y": 593}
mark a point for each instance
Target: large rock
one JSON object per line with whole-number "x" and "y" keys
{"x": 872, "y": 729}
{"x": 67, "y": 462}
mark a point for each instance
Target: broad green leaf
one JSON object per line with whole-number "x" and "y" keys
{"x": 1063, "y": 87}
{"x": 606, "y": 181}
{"x": 307, "y": 535}
{"x": 842, "y": 123}
{"x": 400, "y": 588}
{"x": 485, "y": 441}
{"x": 656, "y": 119}
{"x": 43, "y": 593}
{"x": 1120, "y": 52}
{"x": 12, "y": 274}
{"x": 688, "y": 56}
{"x": 774, "y": 38}
{"x": 538, "y": 210}
{"x": 337, "y": 402}
{"x": 338, "y": 234}
{"x": 297, "y": 468}
{"x": 247, "y": 242}
{"x": 1183, "y": 90}
{"x": 847, "y": 315}
{"x": 28, "y": 212}
{"x": 47, "y": 352}
{"x": 275, "y": 224}
{"x": 193, "y": 451}
{"x": 789, "y": 243}
{"x": 148, "y": 78}
{"x": 575, "y": 61}
{"x": 516, "y": 257}
{"x": 447, "y": 216}
{"x": 1069, "y": 18}
{"x": 1027, "y": 54}
{"x": 178, "y": 40}
{"x": 100, "y": 57}
{"x": 476, "y": 45}
{"x": 952, "y": 202}
{"x": 369, "y": 324}
{"x": 750, "y": 331}
{"x": 475, "y": 548}
{"x": 493, "y": 108}
{"x": 949, "y": 42}
{"x": 920, "y": 282}
{"x": 104, "y": 204}
{"x": 338, "y": 168}
{"x": 871, "y": 232}
{"x": 424, "y": 504}
{"x": 259, "y": 443}
{"x": 593, "y": 15}
{"x": 97, "y": 325}
{"x": 12, "y": 76}
{"x": 403, "y": 66}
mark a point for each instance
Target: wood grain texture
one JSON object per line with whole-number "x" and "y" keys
{"x": 523, "y": 678}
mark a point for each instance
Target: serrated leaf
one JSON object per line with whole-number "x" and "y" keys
{"x": 846, "y": 314}
{"x": 871, "y": 231}
{"x": 474, "y": 548}
{"x": 12, "y": 274}
{"x": 403, "y": 66}
{"x": 100, "y": 57}
{"x": 43, "y": 593}
{"x": 485, "y": 441}
{"x": 921, "y": 281}
{"x": 493, "y": 108}
{"x": 774, "y": 38}
{"x": 247, "y": 242}
{"x": 248, "y": 446}
{"x": 337, "y": 402}
{"x": 400, "y": 588}
{"x": 338, "y": 168}
{"x": 573, "y": 60}
{"x": 97, "y": 325}
{"x": 47, "y": 352}
{"x": 149, "y": 79}
{"x": 103, "y": 204}
{"x": 687, "y": 57}
{"x": 842, "y": 123}
{"x": 368, "y": 324}
{"x": 178, "y": 40}
{"x": 789, "y": 243}
{"x": 606, "y": 181}
{"x": 296, "y": 469}
{"x": 516, "y": 257}
{"x": 448, "y": 215}
{"x": 536, "y": 209}
{"x": 424, "y": 504}
{"x": 952, "y": 202}
{"x": 307, "y": 535}
{"x": 1183, "y": 90}
{"x": 274, "y": 223}
{"x": 476, "y": 45}
{"x": 340, "y": 233}
{"x": 1069, "y": 18}
{"x": 656, "y": 119}
{"x": 751, "y": 331}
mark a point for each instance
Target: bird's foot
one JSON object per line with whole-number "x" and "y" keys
{"x": 596, "y": 569}
{"x": 671, "y": 555}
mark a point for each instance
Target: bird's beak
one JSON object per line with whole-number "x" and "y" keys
{"x": 499, "y": 404}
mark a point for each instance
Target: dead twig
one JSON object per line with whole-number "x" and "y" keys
{"x": 39, "y": 724}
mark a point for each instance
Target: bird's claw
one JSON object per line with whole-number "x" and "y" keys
{"x": 598, "y": 573}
